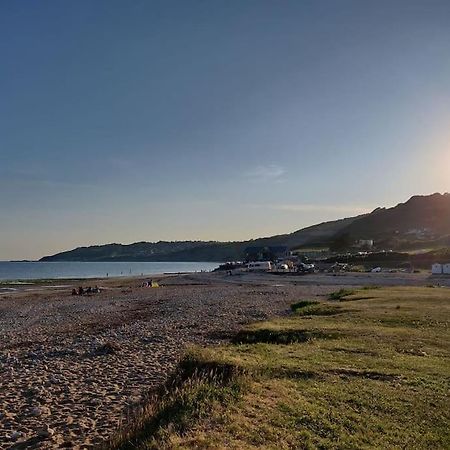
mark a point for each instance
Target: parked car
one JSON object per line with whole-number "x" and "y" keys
{"x": 305, "y": 268}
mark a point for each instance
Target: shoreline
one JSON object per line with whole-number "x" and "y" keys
{"x": 13, "y": 287}
{"x": 38, "y": 273}
{"x": 33, "y": 284}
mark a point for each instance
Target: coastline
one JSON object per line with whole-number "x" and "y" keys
{"x": 67, "y": 284}
{"x": 24, "y": 286}
{"x": 67, "y": 272}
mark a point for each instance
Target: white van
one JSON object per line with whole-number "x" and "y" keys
{"x": 259, "y": 266}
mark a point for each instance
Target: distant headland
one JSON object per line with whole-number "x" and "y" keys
{"x": 422, "y": 222}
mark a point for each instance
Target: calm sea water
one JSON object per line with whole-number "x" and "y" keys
{"x": 47, "y": 270}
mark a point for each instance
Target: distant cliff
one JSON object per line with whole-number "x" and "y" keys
{"x": 420, "y": 222}
{"x": 197, "y": 250}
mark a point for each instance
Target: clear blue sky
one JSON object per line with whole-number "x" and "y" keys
{"x": 137, "y": 120}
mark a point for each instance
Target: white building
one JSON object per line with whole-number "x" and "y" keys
{"x": 436, "y": 269}
{"x": 446, "y": 268}
{"x": 365, "y": 243}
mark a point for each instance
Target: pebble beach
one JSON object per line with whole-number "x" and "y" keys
{"x": 72, "y": 369}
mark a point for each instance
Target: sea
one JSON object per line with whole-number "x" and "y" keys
{"x": 11, "y": 271}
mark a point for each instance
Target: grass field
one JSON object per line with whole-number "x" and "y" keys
{"x": 370, "y": 369}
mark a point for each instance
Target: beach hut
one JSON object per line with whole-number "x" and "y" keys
{"x": 436, "y": 269}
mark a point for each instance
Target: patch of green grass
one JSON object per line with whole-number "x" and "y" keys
{"x": 270, "y": 336}
{"x": 313, "y": 308}
{"x": 303, "y": 304}
{"x": 382, "y": 381}
{"x": 339, "y": 295}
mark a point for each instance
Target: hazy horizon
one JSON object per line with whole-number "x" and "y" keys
{"x": 147, "y": 121}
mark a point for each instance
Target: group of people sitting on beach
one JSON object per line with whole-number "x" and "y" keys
{"x": 150, "y": 283}
{"x": 86, "y": 291}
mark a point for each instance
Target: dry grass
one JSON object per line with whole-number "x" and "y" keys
{"x": 375, "y": 374}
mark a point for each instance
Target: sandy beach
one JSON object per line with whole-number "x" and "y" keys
{"x": 73, "y": 368}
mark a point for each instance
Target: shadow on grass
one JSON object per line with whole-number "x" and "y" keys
{"x": 265, "y": 336}
{"x": 292, "y": 373}
{"x": 372, "y": 375}
{"x": 340, "y": 294}
{"x": 354, "y": 299}
{"x": 312, "y": 308}
{"x": 354, "y": 351}
{"x": 343, "y": 295}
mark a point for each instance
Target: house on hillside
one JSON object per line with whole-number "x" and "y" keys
{"x": 446, "y": 268}
{"x": 365, "y": 243}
